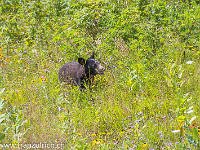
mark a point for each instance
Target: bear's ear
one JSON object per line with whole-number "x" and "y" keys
{"x": 92, "y": 56}
{"x": 81, "y": 61}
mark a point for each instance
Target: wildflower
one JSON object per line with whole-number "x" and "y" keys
{"x": 47, "y": 71}
{"x": 181, "y": 118}
{"x": 168, "y": 144}
{"x": 15, "y": 135}
{"x": 137, "y": 120}
{"x": 17, "y": 94}
{"x": 159, "y": 132}
{"x": 97, "y": 141}
{"x": 141, "y": 138}
{"x": 145, "y": 145}
{"x": 130, "y": 130}
{"x": 140, "y": 113}
{"x": 164, "y": 117}
{"x": 78, "y": 134}
{"x": 1, "y": 56}
{"x": 190, "y": 46}
{"x": 1, "y": 48}
{"x": 94, "y": 134}
{"x": 34, "y": 102}
{"x": 189, "y": 62}
{"x": 4, "y": 98}
{"x": 59, "y": 108}
{"x": 175, "y": 131}
{"x": 106, "y": 133}
{"x": 198, "y": 130}
{"x": 33, "y": 80}
{"x": 193, "y": 125}
{"x": 116, "y": 142}
{"x": 132, "y": 142}
{"x": 42, "y": 79}
{"x": 134, "y": 146}
{"x": 123, "y": 131}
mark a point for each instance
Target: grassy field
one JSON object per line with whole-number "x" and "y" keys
{"x": 148, "y": 98}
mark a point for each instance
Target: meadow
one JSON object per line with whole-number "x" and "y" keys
{"x": 148, "y": 97}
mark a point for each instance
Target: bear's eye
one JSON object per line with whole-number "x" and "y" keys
{"x": 95, "y": 65}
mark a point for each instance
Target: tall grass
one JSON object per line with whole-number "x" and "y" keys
{"x": 148, "y": 97}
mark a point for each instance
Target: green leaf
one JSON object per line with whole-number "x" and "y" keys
{"x": 2, "y": 136}
{"x": 169, "y": 82}
{"x": 1, "y": 90}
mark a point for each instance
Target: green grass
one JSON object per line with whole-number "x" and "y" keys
{"x": 150, "y": 88}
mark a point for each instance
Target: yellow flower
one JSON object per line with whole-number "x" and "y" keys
{"x": 33, "y": 80}
{"x": 1, "y": 48}
{"x": 106, "y": 133}
{"x": 181, "y": 118}
{"x": 97, "y": 119}
{"x": 1, "y": 56}
{"x": 129, "y": 82}
{"x": 143, "y": 94}
{"x": 26, "y": 43}
{"x": 17, "y": 94}
{"x": 190, "y": 46}
{"x": 145, "y": 145}
{"x": 94, "y": 134}
{"x": 123, "y": 131}
{"x": 5, "y": 98}
{"x": 78, "y": 134}
{"x": 42, "y": 79}
{"x": 130, "y": 129}
{"x": 97, "y": 141}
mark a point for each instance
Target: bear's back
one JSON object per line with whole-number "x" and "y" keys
{"x": 71, "y": 72}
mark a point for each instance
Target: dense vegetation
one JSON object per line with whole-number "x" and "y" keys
{"x": 148, "y": 97}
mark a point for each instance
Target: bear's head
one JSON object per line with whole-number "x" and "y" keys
{"x": 92, "y": 67}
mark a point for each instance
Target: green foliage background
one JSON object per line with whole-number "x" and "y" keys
{"x": 148, "y": 97}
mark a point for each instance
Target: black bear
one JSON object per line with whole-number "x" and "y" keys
{"x": 75, "y": 73}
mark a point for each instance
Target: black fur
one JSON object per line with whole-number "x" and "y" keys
{"x": 76, "y": 73}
